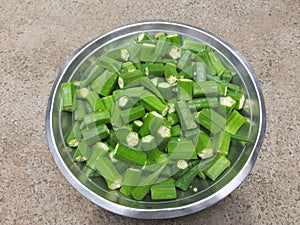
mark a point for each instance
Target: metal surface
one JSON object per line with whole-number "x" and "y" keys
{"x": 57, "y": 124}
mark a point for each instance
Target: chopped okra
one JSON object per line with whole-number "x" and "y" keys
{"x": 155, "y": 116}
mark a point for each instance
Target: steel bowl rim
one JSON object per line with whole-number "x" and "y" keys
{"x": 165, "y": 212}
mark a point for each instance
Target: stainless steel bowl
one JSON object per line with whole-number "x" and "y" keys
{"x": 57, "y": 124}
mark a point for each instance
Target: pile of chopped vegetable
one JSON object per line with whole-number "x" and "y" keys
{"x": 154, "y": 115}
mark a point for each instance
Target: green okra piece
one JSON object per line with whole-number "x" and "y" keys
{"x": 134, "y": 113}
{"x": 111, "y": 64}
{"x": 161, "y": 47}
{"x": 105, "y": 83}
{"x": 68, "y": 91}
{"x": 187, "y": 72}
{"x": 153, "y": 103}
{"x": 80, "y": 111}
{"x": 153, "y": 154}
{"x": 95, "y": 134}
{"x": 193, "y": 45}
{"x": 95, "y": 72}
{"x": 95, "y": 118}
{"x": 163, "y": 191}
{"x": 210, "y": 69}
{"x": 234, "y": 122}
{"x": 126, "y": 102}
{"x": 148, "y": 143}
{"x": 186, "y": 179}
{"x": 129, "y": 77}
{"x": 172, "y": 118}
{"x": 199, "y": 74}
{"x": 184, "y": 60}
{"x": 99, "y": 149}
{"x": 201, "y": 103}
{"x": 120, "y": 54}
{"x": 144, "y": 37}
{"x": 130, "y": 181}
{"x": 174, "y": 38}
{"x": 89, "y": 108}
{"x": 190, "y": 134}
{"x": 112, "y": 140}
{"x": 181, "y": 148}
{"x": 116, "y": 119}
{"x": 232, "y": 87}
{"x": 134, "y": 92}
{"x": 82, "y": 152}
{"x": 159, "y": 35}
{"x": 223, "y": 89}
{"x": 162, "y": 136}
{"x": 228, "y": 103}
{"x": 206, "y": 163}
{"x": 157, "y": 80}
{"x": 136, "y": 125}
{"x": 74, "y": 136}
{"x": 205, "y": 88}
{"x": 108, "y": 102}
{"x": 239, "y": 98}
{"x": 221, "y": 142}
{"x": 217, "y": 168}
{"x": 171, "y": 73}
{"x": 211, "y": 120}
{"x": 108, "y": 171}
{"x": 143, "y": 188}
{"x": 175, "y": 52}
{"x": 227, "y": 76}
{"x": 146, "y": 52}
{"x": 95, "y": 101}
{"x": 129, "y": 155}
{"x": 216, "y": 62}
{"x": 166, "y": 90}
{"x": 185, "y": 116}
{"x": 134, "y": 49}
{"x": 82, "y": 93}
{"x": 145, "y": 128}
{"x": 203, "y": 143}
{"x": 176, "y": 131}
{"x": 185, "y": 89}
{"x": 155, "y": 69}
{"x": 128, "y": 67}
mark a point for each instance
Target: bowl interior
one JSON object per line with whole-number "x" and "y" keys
{"x": 242, "y": 157}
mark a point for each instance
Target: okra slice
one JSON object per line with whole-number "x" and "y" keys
{"x": 201, "y": 103}
{"x": 145, "y": 128}
{"x": 80, "y": 110}
{"x": 239, "y": 98}
{"x": 68, "y": 90}
{"x": 184, "y": 60}
{"x": 155, "y": 69}
{"x": 95, "y": 72}
{"x": 130, "y": 181}
{"x": 193, "y": 45}
{"x": 111, "y": 64}
{"x": 227, "y": 76}
{"x": 146, "y": 52}
{"x": 163, "y": 191}
{"x": 95, "y": 134}
{"x": 148, "y": 143}
{"x": 205, "y": 89}
{"x": 74, "y": 136}
{"x": 129, "y": 77}
{"x": 82, "y": 93}
{"x": 116, "y": 119}
{"x": 217, "y": 168}
{"x": 134, "y": 92}
{"x": 96, "y": 118}
{"x": 204, "y": 146}
{"x": 185, "y": 116}
{"x": 104, "y": 84}
{"x": 221, "y": 142}
{"x": 176, "y": 131}
{"x": 185, "y": 89}
{"x": 186, "y": 179}
{"x": 211, "y": 120}
{"x": 136, "y": 125}
{"x": 181, "y": 148}
{"x": 166, "y": 90}
{"x": 82, "y": 152}
{"x": 100, "y": 149}
{"x": 174, "y": 38}
{"x": 108, "y": 171}
{"x": 172, "y": 118}
{"x": 128, "y": 67}
{"x": 234, "y": 122}
{"x": 153, "y": 103}
{"x": 144, "y": 37}
{"x": 108, "y": 102}
{"x": 199, "y": 74}
{"x": 210, "y": 69}
{"x": 171, "y": 73}
{"x": 232, "y": 87}
{"x": 126, "y": 102}
{"x": 95, "y": 101}
{"x": 175, "y": 52}
{"x": 120, "y": 54}
{"x": 216, "y": 62}
{"x": 143, "y": 188}
{"x": 129, "y": 115}
{"x": 129, "y": 155}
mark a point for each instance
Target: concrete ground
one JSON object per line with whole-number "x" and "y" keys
{"x": 36, "y": 38}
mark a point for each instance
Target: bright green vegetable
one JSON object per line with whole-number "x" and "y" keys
{"x": 218, "y": 166}
{"x": 185, "y": 89}
{"x": 68, "y": 90}
{"x": 129, "y": 155}
{"x": 130, "y": 181}
{"x": 185, "y": 116}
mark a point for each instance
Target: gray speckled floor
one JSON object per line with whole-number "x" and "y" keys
{"x": 38, "y": 36}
